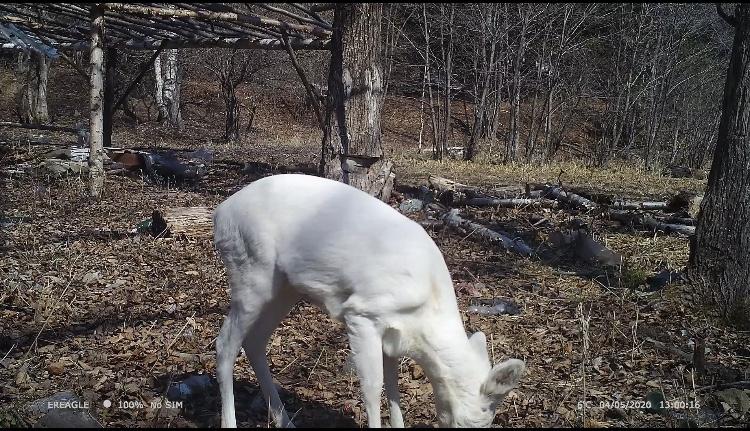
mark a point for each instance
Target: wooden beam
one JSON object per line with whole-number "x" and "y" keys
{"x": 218, "y": 16}
{"x": 239, "y": 43}
{"x": 96, "y": 119}
{"x": 110, "y": 68}
{"x": 295, "y": 16}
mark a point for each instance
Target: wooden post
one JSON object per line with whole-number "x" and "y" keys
{"x": 96, "y": 122}
{"x": 109, "y": 94}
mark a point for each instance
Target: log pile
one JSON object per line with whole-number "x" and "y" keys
{"x": 676, "y": 215}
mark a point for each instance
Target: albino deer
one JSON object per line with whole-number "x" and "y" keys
{"x": 288, "y": 237}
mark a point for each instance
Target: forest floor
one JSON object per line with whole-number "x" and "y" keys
{"x": 112, "y": 315}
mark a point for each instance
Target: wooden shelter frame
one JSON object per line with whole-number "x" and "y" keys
{"x": 51, "y": 29}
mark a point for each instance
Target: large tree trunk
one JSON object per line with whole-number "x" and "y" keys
{"x": 720, "y": 254}
{"x": 352, "y": 151}
{"x": 32, "y": 99}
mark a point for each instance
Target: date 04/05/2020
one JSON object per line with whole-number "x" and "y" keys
{"x": 640, "y": 404}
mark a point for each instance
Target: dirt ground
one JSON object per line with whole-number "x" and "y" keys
{"x": 112, "y": 315}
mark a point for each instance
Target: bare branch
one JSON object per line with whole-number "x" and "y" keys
{"x": 729, "y": 19}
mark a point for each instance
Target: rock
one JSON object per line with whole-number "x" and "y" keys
{"x": 193, "y": 386}
{"x": 411, "y": 206}
{"x": 58, "y": 153}
{"x": 426, "y": 195}
{"x": 686, "y": 200}
{"x": 63, "y": 410}
{"x": 417, "y": 372}
{"x": 59, "y": 167}
{"x": 663, "y": 278}
{"x": 56, "y": 368}
{"x": 495, "y": 307}
{"x": 615, "y": 413}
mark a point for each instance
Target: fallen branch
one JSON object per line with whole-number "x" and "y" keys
{"x": 510, "y": 202}
{"x": 650, "y": 222}
{"x": 687, "y": 221}
{"x": 452, "y": 219}
{"x": 570, "y": 198}
{"x": 685, "y": 356}
{"x": 633, "y": 205}
{"x": 452, "y": 193}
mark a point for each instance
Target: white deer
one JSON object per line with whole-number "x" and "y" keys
{"x": 288, "y": 237}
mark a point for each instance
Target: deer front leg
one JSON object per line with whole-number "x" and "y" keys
{"x": 390, "y": 368}
{"x": 367, "y": 353}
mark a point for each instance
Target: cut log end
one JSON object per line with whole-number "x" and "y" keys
{"x": 183, "y": 222}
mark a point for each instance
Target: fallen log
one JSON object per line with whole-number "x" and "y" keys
{"x": 598, "y": 196}
{"x": 650, "y": 222}
{"x": 510, "y": 202}
{"x": 633, "y": 205}
{"x": 687, "y": 221}
{"x": 452, "y": 219}
{"x": 450, "y": 192}
{"x": 443, "y": 184}
{"x": 568, "y": 197}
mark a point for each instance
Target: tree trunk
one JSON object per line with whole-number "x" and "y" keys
{"x": 172, "y": 83}
{"x": 32, "y": 100}
{"x": 96, "y": 125}
{"x": 232, "y": 126}
{"x": 514, "y": 134}
{"x": 159, "y": 90}
{"x": 352, "y": 151}
{"x": 720, "y": 254}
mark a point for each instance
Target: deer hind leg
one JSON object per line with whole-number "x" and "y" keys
{"x": 390, "y": 369}
{"x": 227, "y": 346}
{"x": 367, "y": 353}
{"x": 249, "y": 290}
{"x": 255, "y": 348}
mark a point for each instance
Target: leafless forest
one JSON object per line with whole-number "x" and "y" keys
{"x": 583, "y": 168}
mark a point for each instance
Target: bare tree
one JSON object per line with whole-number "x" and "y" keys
{"x": 231, "y": 71}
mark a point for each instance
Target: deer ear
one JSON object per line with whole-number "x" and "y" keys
{"x": 502, "y": 379}
{"x": 479, "y": 343}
